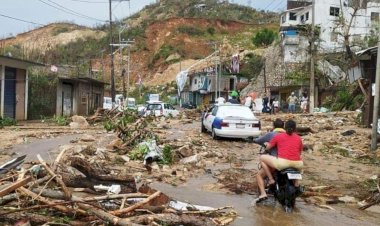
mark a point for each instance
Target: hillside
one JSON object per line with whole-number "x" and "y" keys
{"x": 41, "y": 40}
{"x": 167, "y": 35}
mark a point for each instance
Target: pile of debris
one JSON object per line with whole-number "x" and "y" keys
{"x": 73, "y": 191}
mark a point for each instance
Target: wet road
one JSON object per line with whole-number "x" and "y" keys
{"x": 47, "y": 148}
{"x": 271, "y": 213}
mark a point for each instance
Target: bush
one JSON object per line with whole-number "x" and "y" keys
{"x": 61, "y": 120}
{"x": 6, "y": 121}
{"x": 252, "y": 66}
{"x": 190, "y": 30}
{"x": 264, "y": 37}
{"x": 211, "y": 30}
{"x": 167, "y": 157}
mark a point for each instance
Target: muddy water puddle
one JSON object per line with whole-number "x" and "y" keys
{"x": 269, "y": 213}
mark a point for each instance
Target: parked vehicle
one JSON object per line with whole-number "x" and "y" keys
{"x": 188, "y": 106}
{"x": 130, "y": 104}
{"x": 231, "y": 120}
{"x": 161, "y": 109}
{"x": 284, "y": 190}
{"x": 107, "y": 103}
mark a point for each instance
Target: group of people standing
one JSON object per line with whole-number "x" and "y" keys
{"x": 292, "y": 101}
{"x": 270, "y": 104}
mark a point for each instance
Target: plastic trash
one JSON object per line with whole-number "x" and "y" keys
{"x": 182, "y": 206}
{"x": 113, "y": 189}
{"x": 154, "y": 153}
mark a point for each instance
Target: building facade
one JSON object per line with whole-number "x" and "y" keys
{"x": 332, "y": 17}
{"x": 14, "y": 86}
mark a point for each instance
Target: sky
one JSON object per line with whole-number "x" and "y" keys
{"x": 17, "y": 16}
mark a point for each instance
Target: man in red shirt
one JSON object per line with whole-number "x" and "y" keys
{"x": 289, "y": 146}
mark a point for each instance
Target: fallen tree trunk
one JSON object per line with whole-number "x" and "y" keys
{"x": 49, "y": 193}
{"x": 96, "y": 177}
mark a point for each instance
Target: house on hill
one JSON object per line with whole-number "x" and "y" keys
{"x": 14, "y": 85}
{"x": 328, "y": 19}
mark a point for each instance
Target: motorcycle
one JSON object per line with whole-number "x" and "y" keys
{"x": 284, "y": 190}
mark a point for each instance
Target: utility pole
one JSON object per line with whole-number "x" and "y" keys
{"x": 376, "y": 102}
{"x": 216, "y": 74}
{"x": 312, "y": 70}
{"x": 265, "y": 78}
{"x": 113, "y": 92}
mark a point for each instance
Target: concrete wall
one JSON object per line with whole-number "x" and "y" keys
{"x": 331, "y": 41}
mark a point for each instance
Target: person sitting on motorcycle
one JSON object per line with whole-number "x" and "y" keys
{"x": 289, "y": 146}
{"x": 278, "y": 127}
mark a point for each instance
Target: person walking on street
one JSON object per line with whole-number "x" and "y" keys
{"x": 292, "y": 100}
{"x": 248, "y": 101}
{"x": 304, "y": 100}
{"x": 234, "y": 96}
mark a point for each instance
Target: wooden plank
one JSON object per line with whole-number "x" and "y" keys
{"x": 15, "y": 186}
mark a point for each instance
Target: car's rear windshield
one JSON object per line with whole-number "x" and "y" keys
{"x": 235, "y": 111}
{"x": 154, "y": 107}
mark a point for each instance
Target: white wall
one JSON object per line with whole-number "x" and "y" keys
{"x": 361, "y": 25}
{"x": 330, "y": 41}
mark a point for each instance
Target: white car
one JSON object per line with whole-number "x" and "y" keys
{"x": 231, "y": 120}
{"x": 161, "y": 109}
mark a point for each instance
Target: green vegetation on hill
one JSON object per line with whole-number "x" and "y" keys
{"x": 206, "y": 9}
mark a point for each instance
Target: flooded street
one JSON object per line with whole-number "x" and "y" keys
{"x": 270, "y": 213}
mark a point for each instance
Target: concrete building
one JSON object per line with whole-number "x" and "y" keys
{"x": 78, "y": 96}
{"x": 328, "y": 13}
{"x": 201, "y": 87}
{"x": 14, "y": 86}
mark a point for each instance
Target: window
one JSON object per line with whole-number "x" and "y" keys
{"x": 334, "y": 11}
{"x": 302, "y": 18}
{"x": 214, "y": 110}
{"x": 292, "y": 16}
{"x": 374, "y": 16}
{"x": 307, "y": 16}
{"x": 283, "y": 19}
{"x": 195, "y": 81}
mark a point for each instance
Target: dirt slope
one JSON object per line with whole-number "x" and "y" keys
{"x": 47, "y": 37}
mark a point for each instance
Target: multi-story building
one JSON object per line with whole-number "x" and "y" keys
{"x": 332, "y": 17}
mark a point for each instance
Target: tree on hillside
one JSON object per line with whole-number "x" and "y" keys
{"x": 264, "y": 37}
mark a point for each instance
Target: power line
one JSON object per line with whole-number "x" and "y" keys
{"x": 96, "y": 2}
{"x": 13, "y": 18}
{"x": 269, "y": 4}
{"x": 69, "y": 11}
{"x": 278, "y": 5}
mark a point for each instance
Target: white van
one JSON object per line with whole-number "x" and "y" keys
{"x": 107, "y": 103}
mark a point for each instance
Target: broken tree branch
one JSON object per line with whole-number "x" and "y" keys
{"x": 15, "y": 185}
{"x": 136, "y": 205}
{"x": 58, "y": 178}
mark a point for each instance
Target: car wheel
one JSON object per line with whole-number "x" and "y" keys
{"x": 203, "y": 128}
{"x": 213, "y": 134}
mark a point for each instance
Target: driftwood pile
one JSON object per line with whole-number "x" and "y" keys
{"x": 64, "y": 193}
{"x": 102, "y": 114}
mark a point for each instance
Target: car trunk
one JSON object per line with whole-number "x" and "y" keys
{"x": 241, "y": 123}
